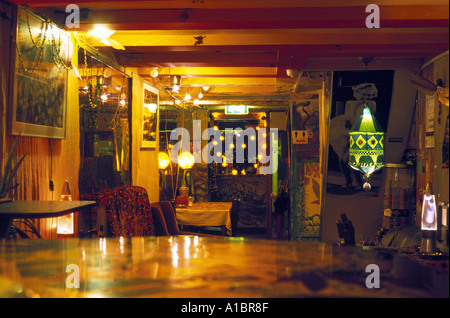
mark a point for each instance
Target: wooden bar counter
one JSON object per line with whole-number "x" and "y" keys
{"x": 191, "y": 266}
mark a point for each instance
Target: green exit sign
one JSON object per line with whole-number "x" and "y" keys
{"x": 236, "y": 110}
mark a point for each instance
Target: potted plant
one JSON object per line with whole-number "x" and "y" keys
{"x": 6, "y": 185}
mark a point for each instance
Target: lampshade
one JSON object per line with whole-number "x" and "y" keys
{"x": 163, "y": 160}
{"x": 366, "y": 153}
{"x": 65, "y": 223}
{"x": 175, "y": 80}
{"x": 154, "y": 72}
{"x": 186, "y": 160}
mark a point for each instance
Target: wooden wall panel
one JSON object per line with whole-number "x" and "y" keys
{"x": 48, "y": 159}
{"x": 429, "y": 152}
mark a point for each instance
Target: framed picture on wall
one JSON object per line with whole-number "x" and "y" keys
{"x": 150, "y": 117}
{"x": 42, "y": 59}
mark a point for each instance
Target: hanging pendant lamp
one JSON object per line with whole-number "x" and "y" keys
{"x": 366, "y": 152}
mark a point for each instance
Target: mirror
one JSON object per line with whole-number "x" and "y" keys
{"x": 104, "y": 125}
{"x": 150, "y": 114}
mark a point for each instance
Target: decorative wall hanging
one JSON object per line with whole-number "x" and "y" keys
{"x": 305, "y": 214}
{"x": 42, "y": 61}
{"x": 150, "y": 117}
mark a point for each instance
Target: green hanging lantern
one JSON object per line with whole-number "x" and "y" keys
{"x": 366, "y": 152}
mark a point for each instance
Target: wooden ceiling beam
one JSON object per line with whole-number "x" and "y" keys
{"x": 322, "y": 49}
{"x": 386, "y": 36}
{"x": 228, "y": 81}
{"x": 273, "y": 18}
{"x": 220, "y": 4}
{"x": 200, "y": 72}
{"x": 186, "y": 59}
{"x": 343, "y": 64}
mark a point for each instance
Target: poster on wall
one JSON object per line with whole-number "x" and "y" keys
{"x": 251, "y": 192}
{"x": 310, "y": 220}
{"x": 430, "y": 105}
{"x": 42, "y": 60}
{"x": 306, "y": 180}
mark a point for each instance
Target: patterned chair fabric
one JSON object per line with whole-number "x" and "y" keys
{"x": 128, "y": 210}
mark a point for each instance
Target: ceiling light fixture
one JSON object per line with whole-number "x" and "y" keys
{"x": 107, "y": 72}
{"x": 175, "y": 80}
{"x": 154, "y": 72}
{"x": 206, "y": 89}
{"x": 366, "y": 146}
{"x": 366, "y": 138}
{"x": 104, "y": 34}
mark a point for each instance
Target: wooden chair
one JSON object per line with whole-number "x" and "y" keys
{"x": 234, "y": 216}
{"x": 159, "y": 222}
{"x": 171, "y": 220}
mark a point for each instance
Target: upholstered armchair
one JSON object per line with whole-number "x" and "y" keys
{"x": 123, "y": 211}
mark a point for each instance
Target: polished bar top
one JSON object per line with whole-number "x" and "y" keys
{"x": 191, "y": 266}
